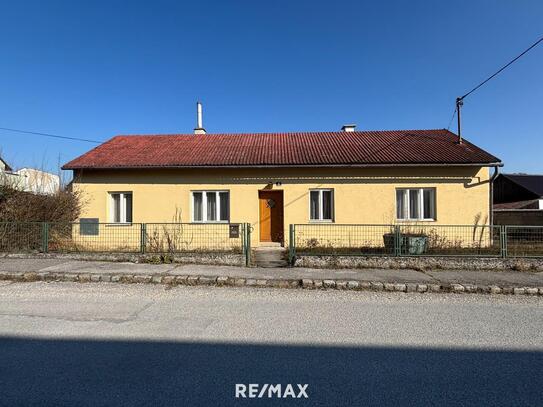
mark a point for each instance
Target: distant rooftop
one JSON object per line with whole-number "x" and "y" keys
{"x": 533, "y": 183}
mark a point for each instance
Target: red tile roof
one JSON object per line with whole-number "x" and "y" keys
{"x": 407, "y": 147}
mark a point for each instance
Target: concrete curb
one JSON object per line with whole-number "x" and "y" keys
{"x": 308, "y": 284}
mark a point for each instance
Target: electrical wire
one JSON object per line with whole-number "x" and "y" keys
{"x": 502, "y": 68}
{"x": 452, "y": 118}
{"x": 51, "y": 135}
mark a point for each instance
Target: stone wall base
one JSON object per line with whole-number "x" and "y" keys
{"x": 421, "y": 263}
{"x": 224, "y": 259}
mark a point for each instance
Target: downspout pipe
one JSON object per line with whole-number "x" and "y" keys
{"x": 492, "y": 179}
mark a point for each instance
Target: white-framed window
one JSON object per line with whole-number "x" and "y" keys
{"x": 321, "y": 205}
{"x": 120, "y": 207}
{"x": 210, "y": 206}
{"x": 416, "y": 204}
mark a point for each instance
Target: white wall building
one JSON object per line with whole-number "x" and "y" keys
{"x": 38, "y": 182}
{"x": 29, "y": 179}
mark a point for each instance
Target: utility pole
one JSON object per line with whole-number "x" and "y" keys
{"x": 459, "y": 104}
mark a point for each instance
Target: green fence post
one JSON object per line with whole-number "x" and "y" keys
{"x": 247, "y": 244}
{"x": 143, "y": 237}
{"x": 397, "y": 241}
{"x": 503, "y": 240}
{"x": 45, "y": 237}
{"x": 291, "y": 244}
{"x": 243, "y": 248}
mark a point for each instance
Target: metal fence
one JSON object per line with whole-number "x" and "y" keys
{"x": 194, "y": 237}
{"x": 523, "y": 241}
{"x": 304, "y": 239}
{"x": 174, "y": 238}
{"x": 415, "y": 240}
{"x": 21, "y": 236}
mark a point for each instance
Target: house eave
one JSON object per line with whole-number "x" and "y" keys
{"x": 136, "y": 167}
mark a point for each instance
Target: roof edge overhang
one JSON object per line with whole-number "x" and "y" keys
{"x": 139, "y": 167}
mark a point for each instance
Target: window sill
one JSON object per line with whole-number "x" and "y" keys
{"x": 415, "y": 220}
{"x": 214, "y": 222}
{"x": 118, "y": 224}
{"x": 321, "y": 221}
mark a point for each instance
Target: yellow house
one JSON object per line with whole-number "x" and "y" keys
{"x": 272, "y": 180}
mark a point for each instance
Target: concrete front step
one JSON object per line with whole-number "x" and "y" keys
{"x": 270, "y": 256}
{"x": 270, "y": 245}
{"x": 274, "y": 252}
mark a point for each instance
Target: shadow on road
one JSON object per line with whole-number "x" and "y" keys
{"x": 92, "y": 372}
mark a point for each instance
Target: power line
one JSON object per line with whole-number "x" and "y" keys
{"x": 502, "y": 68}
{"x": 452, "y": 118}
{"x": 460, "y": 100}
{"x": 51, "y": 135}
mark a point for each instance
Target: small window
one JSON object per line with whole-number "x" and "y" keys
{"x": 210, "y": 206}
{"x": 416, "y": 204}
{"x": 321, "y": 205}
{"x": 197, "y": 206}
{"x": 120, "y": 207}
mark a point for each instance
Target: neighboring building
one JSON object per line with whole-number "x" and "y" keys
{"x": 39, "y": 182}
{"x": 518, "y": 199}
{"x": 275, "y": 179}
{"x": 29, "y": 179}
{"x": 518, "y": 191}
{"x": 8, "y": 176}
{"x": 4, "y": 166}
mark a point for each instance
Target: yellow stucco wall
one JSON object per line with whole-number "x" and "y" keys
{"x": 362, "y": 195}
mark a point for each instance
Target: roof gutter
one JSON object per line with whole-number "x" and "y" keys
{"x": 240, "y": 166}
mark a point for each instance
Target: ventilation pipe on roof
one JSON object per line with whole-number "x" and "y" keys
{"x": 348, "y": 127}
{"x": 199, "y": 127}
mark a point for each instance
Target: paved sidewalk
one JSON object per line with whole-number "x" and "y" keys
{"x": 30, "y": 269}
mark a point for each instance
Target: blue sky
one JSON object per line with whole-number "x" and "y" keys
{"x": 97, "y": 69}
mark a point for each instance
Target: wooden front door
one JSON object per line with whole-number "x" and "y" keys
{"x": 271, "y": 216}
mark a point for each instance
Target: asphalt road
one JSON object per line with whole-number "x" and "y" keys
{"x": 111, "y": 344}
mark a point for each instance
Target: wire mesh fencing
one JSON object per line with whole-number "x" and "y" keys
{"x": 21, "y": 237}
{"x": 337, "y": 239}
{"x": 194, "y": 237}
{"x": 450, "y": 240}
{"x": 304, "y": 239}
{"x": 398, "y": 240}
{"x": 94, "y": 237}
{"x": 524, "y": 241}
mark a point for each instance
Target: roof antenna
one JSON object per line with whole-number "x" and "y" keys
{"x": 199, "y": 126}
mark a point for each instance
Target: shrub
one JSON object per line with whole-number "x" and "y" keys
{"x": 21, "y": 212}
{"x": 18, "y": 206}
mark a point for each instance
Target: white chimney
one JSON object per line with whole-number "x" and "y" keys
{"x": 199, "y": 127}
{"x": 348, "y": 127}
